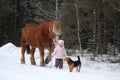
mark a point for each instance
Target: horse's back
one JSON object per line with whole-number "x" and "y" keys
{"x": 36, "y": 34}
{"x": 30, "y": 26}
{"x": 29, "y": 34}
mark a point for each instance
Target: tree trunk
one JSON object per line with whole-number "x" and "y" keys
{"x": 78, "y": 24}
{"x": 114, "y": 41}
{"x": 105, "y": 44}
{"x": 94, "y": 32}
{"x": 99, "y": 33}
{"x": 15, "y": 20}
{"x": 56, "y": 12}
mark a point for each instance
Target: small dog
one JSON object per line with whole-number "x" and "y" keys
{"x": 72, "y": 64}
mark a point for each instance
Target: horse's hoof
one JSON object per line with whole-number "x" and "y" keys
{"x": 22, "y": 61}
{"x": 46, "y": 62}
{"x": 42, "y": 64}
{"x": 48, "y": 59}
{"x": 33, "y": 63}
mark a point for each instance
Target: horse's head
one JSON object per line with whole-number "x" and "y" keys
{"x": 52, "y": 30}
{"x": 55, "y": 31}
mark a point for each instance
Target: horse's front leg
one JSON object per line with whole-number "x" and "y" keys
{"x": 32, "y": 59}
{"x": 41, "y": 50}
{"x": 48, "y": 58}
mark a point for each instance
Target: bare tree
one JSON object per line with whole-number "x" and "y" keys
{"x": 38, "y": 11}
{"x": 94, "y": 32}
{"x": 78, "y": 24}
{"x": 56, "y": 12}
{"x": 114, "y": 40}
{"x": 15, "y": 16}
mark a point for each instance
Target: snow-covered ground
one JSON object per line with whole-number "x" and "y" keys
{"x": 12, "y": 69}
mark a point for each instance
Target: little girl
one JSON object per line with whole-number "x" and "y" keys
{"x": 59, "y": 53}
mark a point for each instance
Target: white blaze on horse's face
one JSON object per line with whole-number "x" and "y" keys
{"x": 57, "y": 30}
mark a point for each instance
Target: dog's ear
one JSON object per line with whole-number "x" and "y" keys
{"x": 66, "y": 59}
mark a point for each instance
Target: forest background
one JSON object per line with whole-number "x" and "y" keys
{"x": 86, "y": 24}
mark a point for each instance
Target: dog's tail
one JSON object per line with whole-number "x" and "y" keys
{"x": 78, "y": 56}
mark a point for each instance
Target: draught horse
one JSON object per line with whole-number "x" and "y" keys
{"x": 39, "y": 36}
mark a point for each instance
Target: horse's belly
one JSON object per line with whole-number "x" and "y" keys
{"x": 31, "y": 41}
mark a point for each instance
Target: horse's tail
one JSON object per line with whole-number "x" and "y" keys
{"x": 28, "y": 49}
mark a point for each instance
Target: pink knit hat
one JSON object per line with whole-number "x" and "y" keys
{"x": 61, "y": 41}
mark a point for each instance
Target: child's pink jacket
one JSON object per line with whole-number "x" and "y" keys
{"x": 59, "y": 52}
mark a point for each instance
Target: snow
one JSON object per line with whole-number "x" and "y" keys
{"x": 12, "y": 69}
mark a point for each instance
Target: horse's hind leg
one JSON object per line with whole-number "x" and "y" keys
{"x": 32, "y": 59}
{"x": 23, "y": 53}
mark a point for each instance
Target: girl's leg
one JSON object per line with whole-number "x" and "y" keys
{"x": 60, "y": 63}
{"x": 56, "y": 63}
